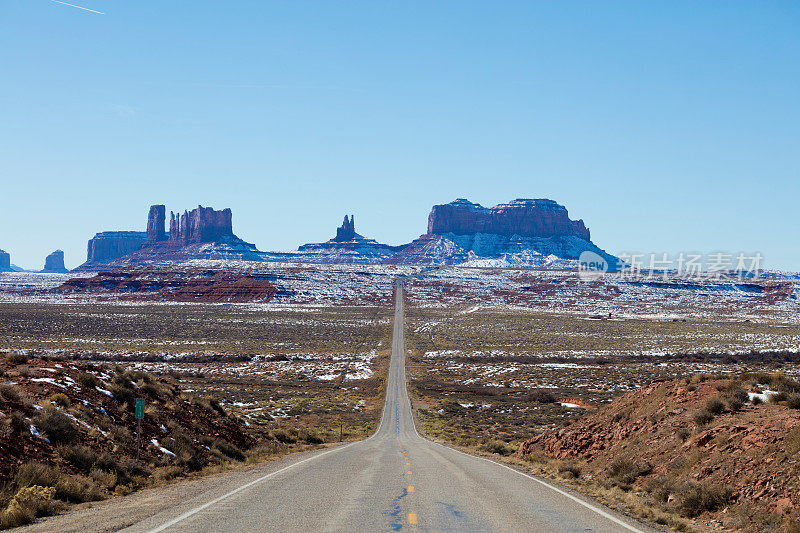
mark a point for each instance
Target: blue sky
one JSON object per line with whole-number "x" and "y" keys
{"x": 666, "y": 126}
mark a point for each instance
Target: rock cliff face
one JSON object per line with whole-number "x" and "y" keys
{"x": 54, "y": 262}
{"x": 109, "y": 245}
{"x": 5, "y": 261}
{"x": 347, "y": 247}
{"x": 202, "y": 233}
{"x": 521, "y": 233}
{"x": 523, "y": 217}
{"x": 203, "y": 224}
{"x": 347, "y": 231}
{"x": 156, "y": 219}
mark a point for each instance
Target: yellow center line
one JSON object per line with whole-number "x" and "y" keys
{"x": 409, "y": 472}
{"x": 412, "y": 518}
{"x": 411, "y": 488}
{"x": 408, "y": 464}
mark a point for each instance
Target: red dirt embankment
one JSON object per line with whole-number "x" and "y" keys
{"x": 656, "y": 434}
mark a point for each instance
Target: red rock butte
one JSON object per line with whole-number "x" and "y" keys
{"x": 523, "y": 217}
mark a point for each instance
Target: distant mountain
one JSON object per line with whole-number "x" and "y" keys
{"x": 202, "y": 233}
{"x": 521, "y": 233}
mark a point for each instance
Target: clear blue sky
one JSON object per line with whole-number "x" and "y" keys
{"x": 666, "y": 126}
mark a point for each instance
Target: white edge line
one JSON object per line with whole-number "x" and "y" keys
{"x": 549, "y": 486}
{"x": 196, "y": 510}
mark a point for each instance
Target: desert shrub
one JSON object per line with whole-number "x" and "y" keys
{"x": 624, "y": 472}
{"x": 152, "y": 390}
{"x": 56, "y": 426}
{"x": 311, "y": 436}
{"x": 187, "y": 454}
{"x": 81, "y": 457}
{"x": 121, "y": 434}
{"x": 86, "y": 380}
{"x": 124, "y": 395}
{"x": 695, "y": 499}
{"x": 27, "y": 504}
{"x": 167, "y": 473}
{"x": 497, "y": 447}
{"x": 229, "y": 450}
{"x": 266, "y": 448}
{"x": 17, "y": 422}
{"x": 10, "y": 393}
{"x": 16, "y": 358}
{"x": 67, "y": 488}
{"x": 569, "y": 470}
{"x": 777, "y": 397}
{"x": 60, "y": 399}
{"x": 682, "y": 434}
{"x": 715, "y": 406}
{"x": 703, "y": 417}
{"x": 540, "y": 396}
{"x": 735, "y": 399}
{"x": 793, "y": 400}
{"x": 134, "y": 467}
{"x": 660, "y": 488}
{"x": 756, "y": 400}
{"x": 284, "y": 436}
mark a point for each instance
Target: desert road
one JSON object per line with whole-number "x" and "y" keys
{"x": 395, "y": 480}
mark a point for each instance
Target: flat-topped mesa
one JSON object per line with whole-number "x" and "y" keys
{"x": 109, "y": 245}
{"x": 523, "y": 217}
{"x": 347, "y": 231}
{"x": 204, "y": 224}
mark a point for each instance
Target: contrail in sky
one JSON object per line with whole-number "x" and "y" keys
{"x": 79, "y": 7}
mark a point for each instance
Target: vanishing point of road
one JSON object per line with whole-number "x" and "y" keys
{"x": 393, "y": 481}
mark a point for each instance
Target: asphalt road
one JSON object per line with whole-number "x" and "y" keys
{"x": 395, "y": 480}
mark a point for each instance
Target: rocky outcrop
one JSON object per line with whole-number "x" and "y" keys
{"x": 156, "y": 220}
{"x": 346, "y": 247}
{"x": 202, "y": 233}
{"x": 54, "y": 262}
{"x": 522, "y": 217}
{"x": 347, "y": 231}
{"x": 5, "y": 261}
{"x": 109, "y": 245}
{"x": 203, "y": 224}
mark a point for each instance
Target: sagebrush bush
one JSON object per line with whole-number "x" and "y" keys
{"x": 715, "y": 406}
{"x": 703, "y": 417}
{"x": 284, "y": 436}
{"x": 624, "y": 472}
{"x": 497, "y": 447}
{"x": 56, "y": 426}
{"x": 60, "y": 399}
{"x": 67, "y": 488}
{"x": 311, "y": 436}
{"x": 793, "y": 400}
{"x": 569, "y": 470}
{"x": 86, "y": 380}
{"x": 10, "y": 393}
{"x": 81, "y": 457}
{"x": 229, "y": 450}
{"x": 695, "y": 499}
{"x": 28, "y": 504}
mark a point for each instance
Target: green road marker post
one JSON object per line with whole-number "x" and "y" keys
{"x": 139, "y": 416}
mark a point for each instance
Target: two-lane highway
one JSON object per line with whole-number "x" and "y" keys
{"x": 392, "y": 481}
